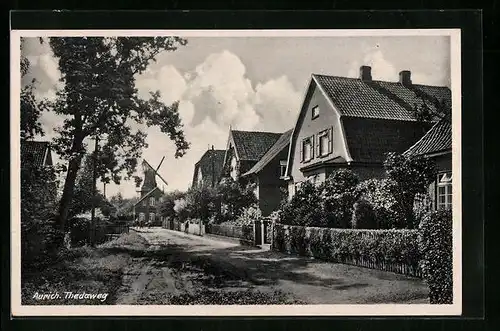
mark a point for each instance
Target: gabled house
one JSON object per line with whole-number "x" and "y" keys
{"x": 268, "y": 174}
{"x": 38, "y": 152}
{"x": 244, "y": 149}
{"x": 208, "y": 170}
{"x": 145, "y": 209}
{"x": 354, "y": 122}
{"x": 437, "y": 145}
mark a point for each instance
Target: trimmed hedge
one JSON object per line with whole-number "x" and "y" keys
{"x": 436, "y": 245}
{"x": 390, "y": 250}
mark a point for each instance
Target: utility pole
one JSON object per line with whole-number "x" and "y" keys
{"x": 94, "y": 189}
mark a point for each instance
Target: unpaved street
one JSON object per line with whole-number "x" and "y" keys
{"x": 177, "y": 265}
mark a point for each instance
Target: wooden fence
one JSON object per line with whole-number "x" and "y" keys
{"x": 244, "y": 232}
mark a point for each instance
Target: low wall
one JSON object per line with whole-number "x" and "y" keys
{"x": 388, "y": 250}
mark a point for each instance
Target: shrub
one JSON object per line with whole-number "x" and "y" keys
{"x": 181, "y": 209}
{"x": 363, "y": 216}
{"x": 379, "y": 248}
{"x": 436, "y": 246}
{"x": 234, "y": 197}
{"x": 248, "y": 215}
{"x": 339, "y": 194}
{"x": 305, "y": 208}
{"x": 377, "y": 192}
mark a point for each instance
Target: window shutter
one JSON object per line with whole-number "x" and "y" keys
{"x": 312, "y": 146}
{"x": 318, "y": 145}
{"x": 302, "y": 151}
{"x": 330, "y": 140}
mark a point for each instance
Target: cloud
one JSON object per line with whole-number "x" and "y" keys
{"x": 215, "y": 94}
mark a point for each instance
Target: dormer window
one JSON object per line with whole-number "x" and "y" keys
{"x": 283, "y": 168}
{"x": 315, "y": 112}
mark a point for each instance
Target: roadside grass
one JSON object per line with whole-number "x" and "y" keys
{"x": 80, "y": 270}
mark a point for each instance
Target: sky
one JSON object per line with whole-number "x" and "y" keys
{"x": 246, "y": 83}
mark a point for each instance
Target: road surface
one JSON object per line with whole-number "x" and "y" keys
{"x": 233, "y": 267}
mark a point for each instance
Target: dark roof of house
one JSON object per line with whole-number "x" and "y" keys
{"x": 39, "y": 151}
{"x": 252, "y": 145}
{"x": 369, "y": 140}
{"x": 147, "y": 195}
{"x": 379, "y": 99}
{"x": 205, "y": 163}
{"x": 279, "y": 145}
{"x": 436, "y": 140}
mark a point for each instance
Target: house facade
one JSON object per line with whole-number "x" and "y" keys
{"x": 353, "y": 123}
{"x": 145, "y": 209}
{"x": 39, "y": 154}
{"x": 268, "y": 174}
{"x": 208, "y": 170}
{"x": 436, "y": 144}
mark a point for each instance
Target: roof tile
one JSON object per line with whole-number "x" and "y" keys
{"x": 252, "y": 145}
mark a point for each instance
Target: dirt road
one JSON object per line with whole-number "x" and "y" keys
{"x": 177, "y": 265}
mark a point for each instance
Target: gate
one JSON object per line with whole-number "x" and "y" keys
{"x": 257, "y": 228}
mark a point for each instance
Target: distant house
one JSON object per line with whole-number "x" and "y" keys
{"x": 353, "y": 123}
{"x": 145, "y": 209}
{"x": 436, "y": 144}
{"x": 208, "y": 170}
{"x": 244, "y": 149}
{"x": 38, "y": 152}
{"x": 268, "y": 175}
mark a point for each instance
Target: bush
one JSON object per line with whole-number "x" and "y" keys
{"x": 377, "y": 192}
{"x": 248, "y": 215}
{"x": 389, "y": 249}
{"x": 339, "y": 194}
{"x": 305, "y": 208}
{"x": 363, "y": 216}
{"x": 436, "y": 246}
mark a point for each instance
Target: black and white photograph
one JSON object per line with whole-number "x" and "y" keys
{"x": 257, "y": 172}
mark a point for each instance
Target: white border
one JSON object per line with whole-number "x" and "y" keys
{"x": 254, "y": 310}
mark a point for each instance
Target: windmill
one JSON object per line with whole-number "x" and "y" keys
{"x": 150, "y": 175}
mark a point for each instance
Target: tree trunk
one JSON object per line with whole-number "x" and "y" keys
{"x": 67, "y": 194}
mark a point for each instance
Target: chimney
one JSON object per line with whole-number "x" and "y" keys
{"x": 365, "y": 73}
{"x": 405, "y": 78}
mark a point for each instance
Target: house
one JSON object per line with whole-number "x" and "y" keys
{"x": 39, "y": 152}
{"x": 208, "y": 170}
{"x": 436, "y": 144}
{"x": 354, "y": 122}
{"x": 145, "y": 209}
{"x": 244, "y": 149}
{"x": 268, "y": 174}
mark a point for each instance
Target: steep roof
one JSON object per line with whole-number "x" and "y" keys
{"x": 205, "y": 163}
{"x": 147, "y": 195}
{"x": 436, "y": 140}
{"x": 378, "y": 99}
{"x": 279, "y": 145}
{"x": 252, "y": 145}
{"x": 39, "y": 151}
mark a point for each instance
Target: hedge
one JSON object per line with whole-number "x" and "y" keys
{"x": 244, "y": 232}
{"x": 436, "y": 245}
{"x": 389, "y": 250}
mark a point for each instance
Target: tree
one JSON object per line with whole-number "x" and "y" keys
{"x": 234, "y": 197}
{"x": 202, "y": 201}
{"x": 166, "y": 207}
{"x": 305, "y": 208}
{"x": 30, "y": 111}
{"x": 410, "y": 175}
{"x": 100, "y": 100}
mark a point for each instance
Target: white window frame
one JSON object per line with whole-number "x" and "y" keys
{"x": 142, "y": 216}
{"x": 315, "y": 112}
{"x": 283, "y": 168}
{"x": 152, "y": 217}
{"x": 307, "y": 141}
{"x": 152, "y": 201}
{"x": 444, "y": 189}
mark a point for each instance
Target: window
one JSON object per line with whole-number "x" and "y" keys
{"x": 315, "y": 112}
{"x": 282, "y": 168}
{"x": 324, "y": 144}
{"x": 444, "y": 191}
{"x": 152, "y": 217}
{"x": 152, "y": 201}
{"x": 307, "y": 149}
{"x": 141, "y": 216}
{"x": 144, "y": 202}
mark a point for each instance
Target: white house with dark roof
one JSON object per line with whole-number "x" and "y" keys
{"x": 354, "y": 122}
